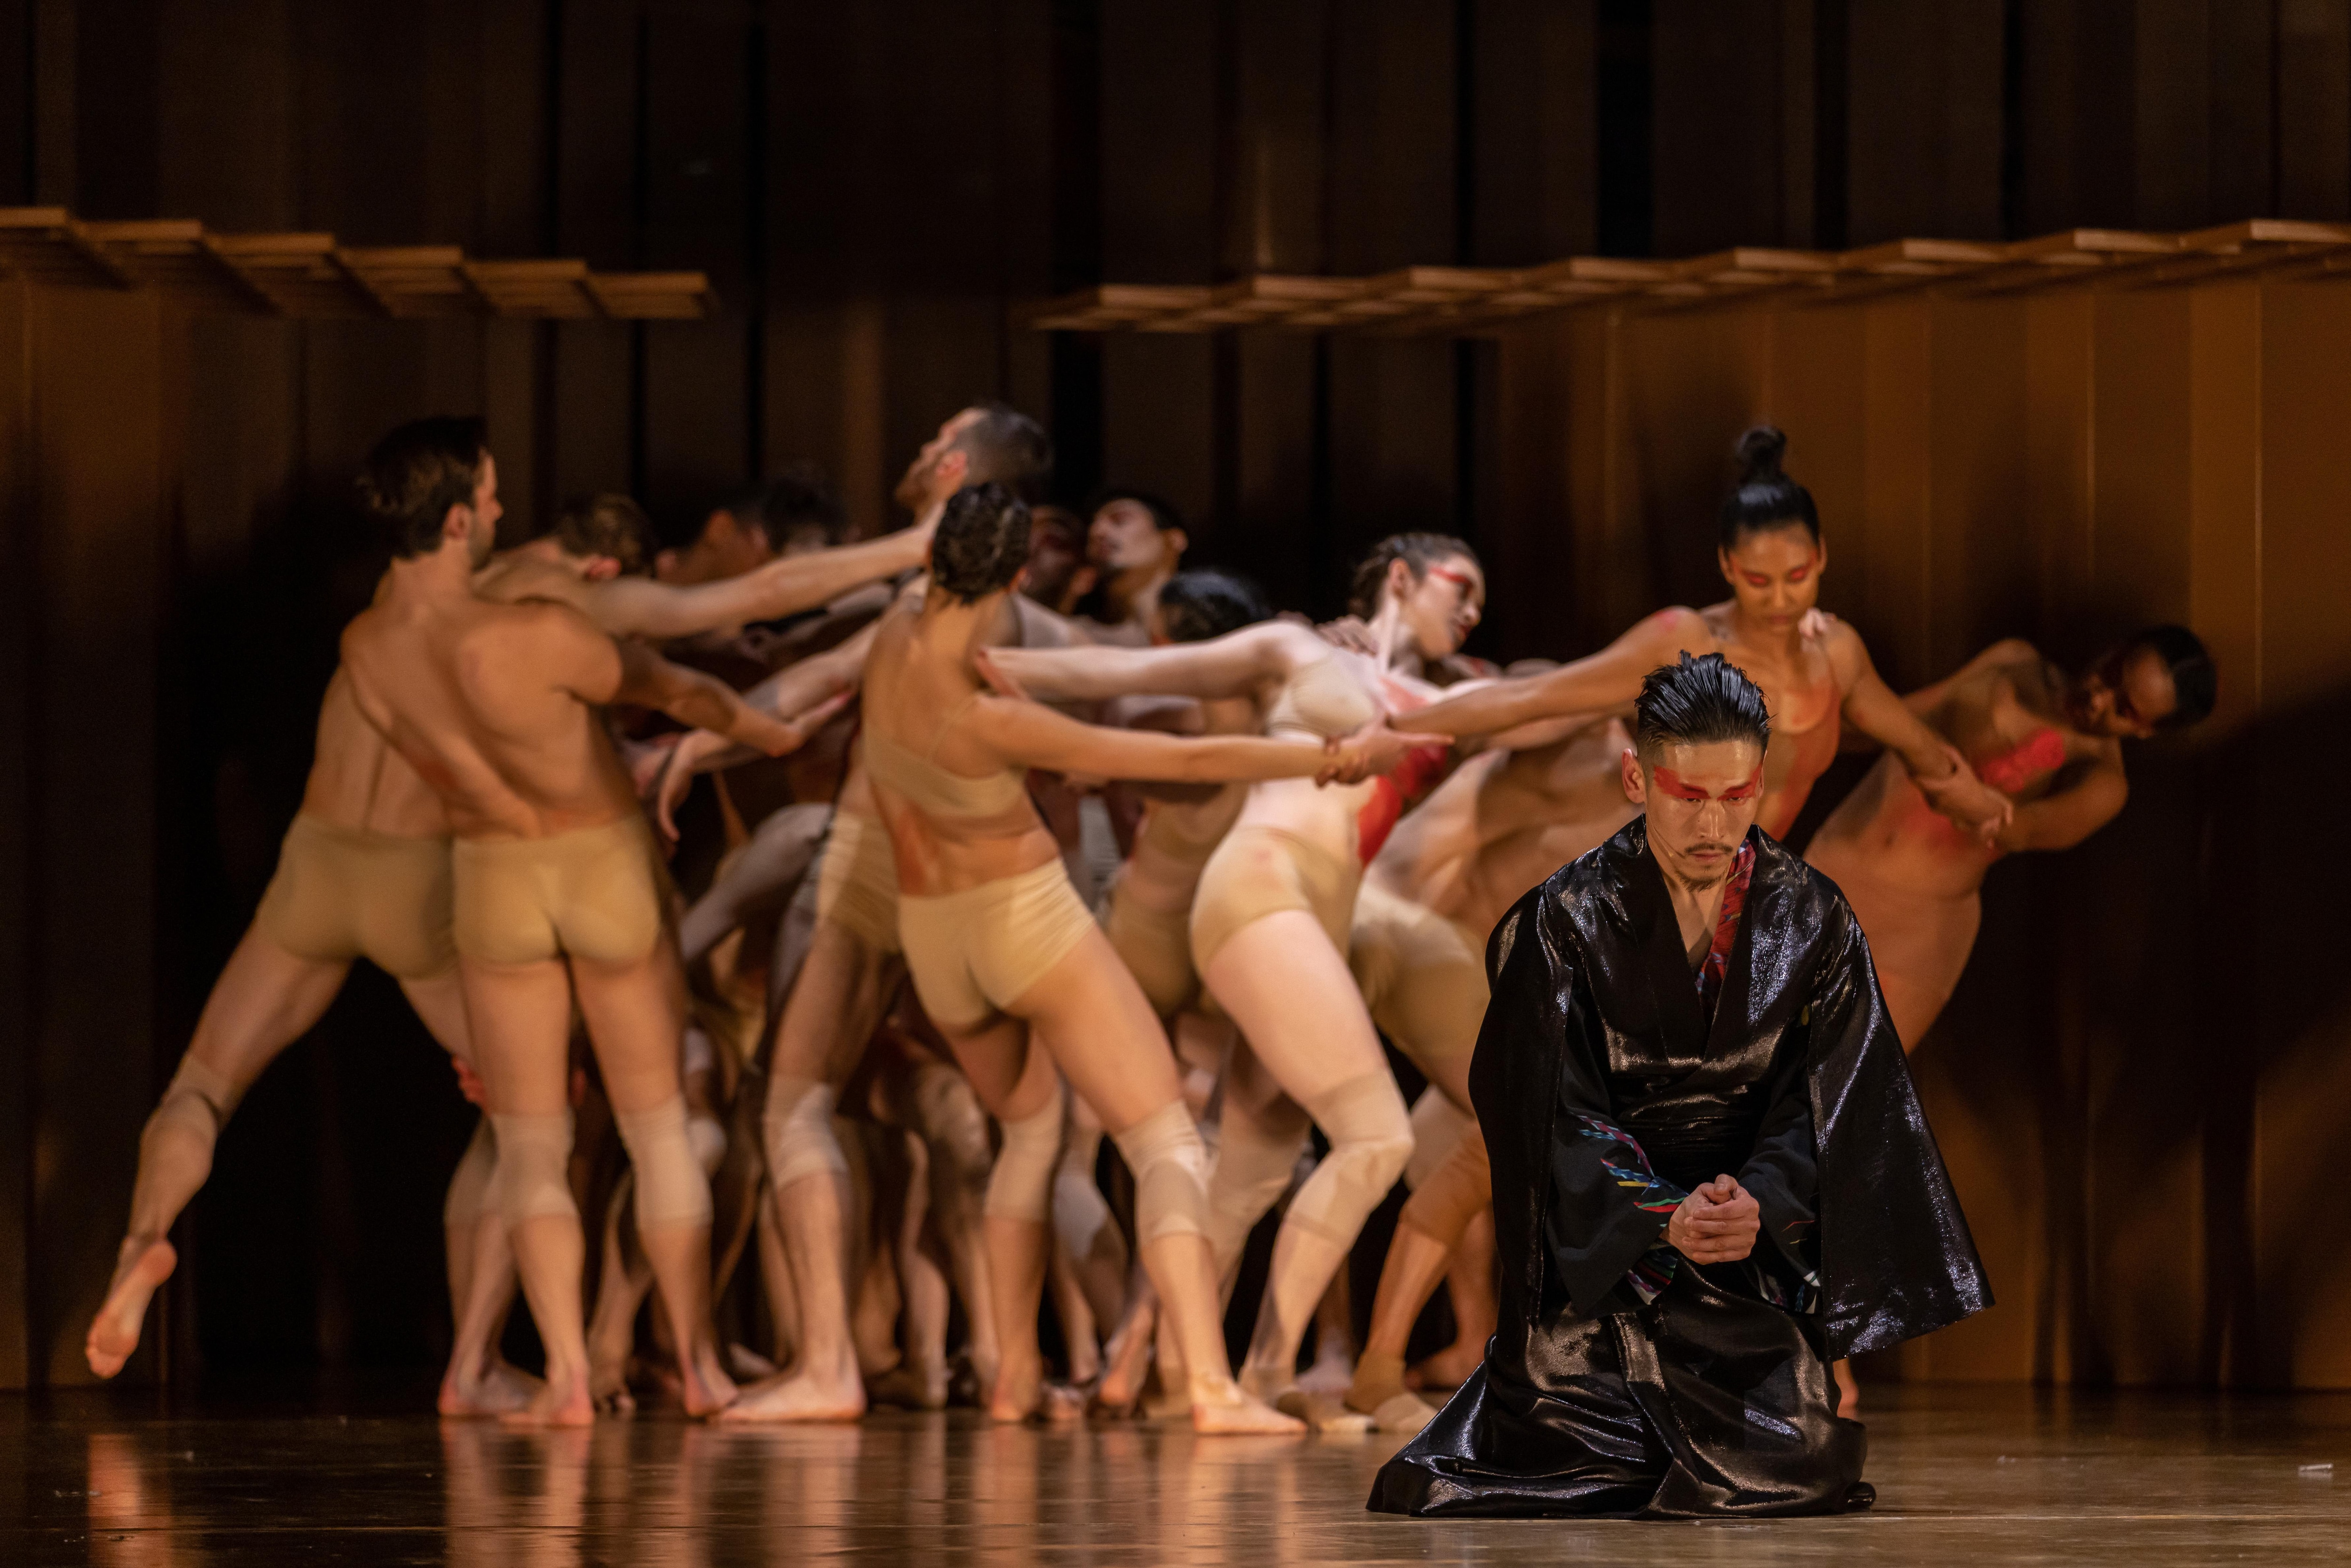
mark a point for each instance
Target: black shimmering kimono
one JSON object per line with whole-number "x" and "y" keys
{"x": 1625, "y": 1379}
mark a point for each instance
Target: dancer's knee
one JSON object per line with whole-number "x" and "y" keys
{"x": 1371, "y": 1139}
{"x": 188, "y": 1120}
{"x": 471, "y": 1185}
{"x": 533, "y": 1156}
{"x": 1443, "y": 1205}
{"x": 796, "y": 1127}
{"x": 671, "y": 1189}
{"x": 1171, "y": 1169}
{"x": 1021, "y": 1185}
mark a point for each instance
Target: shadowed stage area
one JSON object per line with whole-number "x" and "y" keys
{"x": 1963, "y": 1475}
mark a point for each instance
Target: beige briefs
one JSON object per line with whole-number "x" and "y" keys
{"x": 972, "y": 954}
{"x": 1424, "y": 981}
{"x": 1156, "y": 946}
{"x": 594, "y": 895}
{"x": 342, "y": 894}
{"x": 1259, "y": 870}
{"x": 857, "y": 882}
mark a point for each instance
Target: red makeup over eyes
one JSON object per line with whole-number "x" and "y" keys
{"x": 1673, "y": 784}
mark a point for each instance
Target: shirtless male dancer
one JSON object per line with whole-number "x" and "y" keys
{"x": 2051, "y": 743}
{"x": 364, "y": 871}
{"x": 555, "y": 889}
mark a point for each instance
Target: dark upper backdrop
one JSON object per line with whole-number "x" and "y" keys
{"x": 874, "y": 188}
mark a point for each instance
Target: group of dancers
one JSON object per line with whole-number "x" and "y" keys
{"x": 1033, "y": 835}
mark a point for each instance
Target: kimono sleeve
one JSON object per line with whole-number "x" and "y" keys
{"x": 1897, "y": 1260}
{"x": 1783, "y": 1174}
{"x": 1606, "y": 1219}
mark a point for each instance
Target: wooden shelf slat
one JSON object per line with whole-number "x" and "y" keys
{"x": 309, "y": 276}
{"x": 1455, "y": 300}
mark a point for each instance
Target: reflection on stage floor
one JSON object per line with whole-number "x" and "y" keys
{"x": 1963, "y": 1474}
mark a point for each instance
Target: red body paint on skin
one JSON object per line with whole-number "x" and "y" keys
{"x": 1673, "y": 784}
{"x": 1460, "y": 579}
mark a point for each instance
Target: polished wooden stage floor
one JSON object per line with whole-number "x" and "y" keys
{"x": 1963, "y": 1475}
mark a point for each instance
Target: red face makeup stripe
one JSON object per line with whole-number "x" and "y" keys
{"x": 1673, "y": 784}
{"x": 1460, "y": 579}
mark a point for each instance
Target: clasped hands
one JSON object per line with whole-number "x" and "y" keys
{"x": 1717, "y": 1223}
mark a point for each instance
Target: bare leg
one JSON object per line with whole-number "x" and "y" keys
{"x": 1848, "y": 1390}
{"x": 1334, "y": 1353}
{"x": 1018, "y": 1085}
{"x": 826, "y": 1021}
{"x": 521, "y": 1015}
{"x": 1089, "y": 1014}
{"x": 636, "y": 1022}
{"x": 920, "y": 1379}
{"x": 954, "y": 1128}
{"x": 479, "y": 1380}
{"x": 1469, "y": 1281}
{"x": 776, "y": 1282}
{"x": 264, "y": 999}
{"x": 624, "y": 1279}
{"x": 1454, "y": 1196}
{"x": 1297, "y": 1006}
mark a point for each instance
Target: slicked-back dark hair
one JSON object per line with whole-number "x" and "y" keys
{"x": 1765, "y": 497}
{"x": 2195, "y": 679}
{"x": 982, "y": 542}
{"x": 609, "y": 525}
{"x": 1006, "y": 445}
{"x": 1195, "y": 606}
{"x": 1418, "y": 552}
{"x": 1698, "y": 702}
{"x": 414, "y": 474}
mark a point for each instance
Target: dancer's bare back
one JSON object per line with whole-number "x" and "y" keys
{"x": 493, "y": 704}
{"x": 357, "y": 781}
{"x": 1505, "y": 821}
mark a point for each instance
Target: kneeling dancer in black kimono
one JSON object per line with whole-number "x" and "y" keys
{"x": 1711, "y": 1174}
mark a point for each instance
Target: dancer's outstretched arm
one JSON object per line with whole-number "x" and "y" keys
{"x": 1607, "y": 679}
{"x": 1234, "y": 665}
{"x": 639, "y": 606}
{"x": 1028, "y": 734}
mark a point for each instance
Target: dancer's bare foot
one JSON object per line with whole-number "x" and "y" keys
{"x": 1448, "y": 1368}
{"x": 1379, "y": 1377}
{"x": 1125, "y": 1370}
{"x": 141, "y": 1269}
{"x": 1220, "y": 1407}
{"x": 1023, "y": 1393}
{"x": 704, "y": 1387}
{"x": 608, "y": 1387}
{"x": 1322, "y": 1412}
{"x": 1848, "y": 1390}
{"x": 1330, "y": 1375}
{"x": 500, "y": 1386}
{"x": 798, "y": 1397}
{"x": 911, "y": 1387}
{"x": 748, "y": 1365}
{"x": 562, "y": 1401}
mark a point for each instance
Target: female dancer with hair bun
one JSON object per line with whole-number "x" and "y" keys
{"x": 2052, "y": 742}
{"x": 1271, "y": 914}
{"x": 1003, "y": 954}
{"x": 1814, "y": 670}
